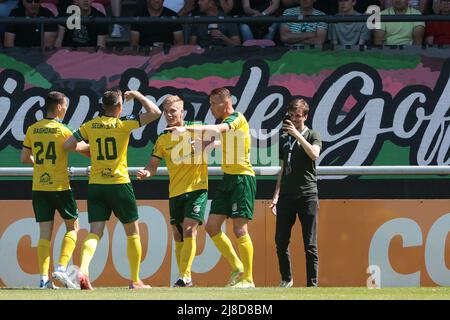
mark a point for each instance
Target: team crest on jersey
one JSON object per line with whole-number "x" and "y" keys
{"x": 234, "y": 207}
{"x": 107, "y": 173}
{"x": 45, "y": 178}
{"x": 196, "y": 209}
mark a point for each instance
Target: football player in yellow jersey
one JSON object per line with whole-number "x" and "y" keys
{"x": 236, "y": 196}
{"x": 188, "y": 186}
{"x": 110, "y": 189}
{"x": 43, "y": 148}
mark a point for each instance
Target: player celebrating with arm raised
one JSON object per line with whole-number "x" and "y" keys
{"x": 188, "y": 188}
{"x": 43, "y": 148}
{"x": 109, "y": 183}
{"x": 236, "y": 196}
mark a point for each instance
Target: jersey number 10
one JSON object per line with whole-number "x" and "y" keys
{"x": 107, "y": 148}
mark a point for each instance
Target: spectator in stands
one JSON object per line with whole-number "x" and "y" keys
{"x": 399, "y": 33}
{"x": 438, "y": 32}
{"x": 150, "y": 35}
{"x": 348, "y": 33}
{"x": 29, "y": 35}
{"x": 214, "y": 34}
{"x": 116, "y": 11}
{"x": 5, "y": 8}
{"x": 421, "y": 5}
{"x": 89, "y": 35}
{"x": 257, "y": 8}
{"x": 305, "y": 32}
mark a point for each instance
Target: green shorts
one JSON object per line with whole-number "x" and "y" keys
{"x": 46, "y": 202}
{"x": 235, "y": 197}
{"x": 106, "y": 198}
{"x": 190, "y": 205}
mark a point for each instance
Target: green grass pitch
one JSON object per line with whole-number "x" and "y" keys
{"x": 202, "y": 293}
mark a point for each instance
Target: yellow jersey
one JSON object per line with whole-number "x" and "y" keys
{"x": 45, "y": 139}
{"x": 108, "y": 139}
{"x": 188, "y": 171}
{"x": 236, "y": 144}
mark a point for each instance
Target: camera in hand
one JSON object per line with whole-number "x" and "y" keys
{"x": 212, "y": 26}
{"x": 285, "y": 122}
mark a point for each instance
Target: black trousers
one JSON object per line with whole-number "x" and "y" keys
{"x": 306, "y": 208}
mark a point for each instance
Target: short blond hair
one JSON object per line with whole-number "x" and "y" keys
{"x": 222, "y": 92}
{"x": 173, "y": 100}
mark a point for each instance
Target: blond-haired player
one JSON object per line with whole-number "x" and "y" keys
{"x": 236, "y": 195}
{"x": 188, "y": 184}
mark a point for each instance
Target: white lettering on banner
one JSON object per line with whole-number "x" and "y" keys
{"x": 11, "y": 273}
{"x": 370, "y": 116}
{"x": 79, "y": 114}
{"x": 250, "y": 88}
{"x": 100, "y": 258}
{"x": 437, "y": 125}
{"x": 409, "y": 230}
{"x": 416, "y": 117}
{"x": 4, "y": 110}
{"x": 13, "y": 276}
{"x": 18, "y": 132}
{"x": 156, "y": 225}
{"x": 402, "y": 112}
{"x": 435, "y": 251}
{"x": 411, "y": 234}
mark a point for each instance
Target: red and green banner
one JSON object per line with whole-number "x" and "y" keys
{"x": 372, "y": 107}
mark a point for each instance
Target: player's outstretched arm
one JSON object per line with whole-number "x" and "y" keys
{"x": 152, "y": 111}
{"x": 70, "y": 144}
{"x": 83, "y": 149}
{"x": 26, "y": 156}
{"x": 209, "y": 129}
{"x": 149, "y": 170}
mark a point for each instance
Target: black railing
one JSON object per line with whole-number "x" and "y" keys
{"x": 227, "y": 19}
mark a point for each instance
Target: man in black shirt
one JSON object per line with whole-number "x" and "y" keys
{"x": 155, "y": 34}
{"x": 296, "y": 192}
{"x": 29, "y": 35}
{"x": 89, "y": 35}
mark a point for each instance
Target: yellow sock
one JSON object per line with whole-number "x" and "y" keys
{"x": 87, "y": 252}
{"x": 67, "y": 247}
{"x": 245, "y": 247}
{"x": 43, "y": 256}
{"x": 225, "y": 247}
{"x": 134, "y": 253}
{"x": 187, "y": 257}
{"x": 178, "y": 248}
